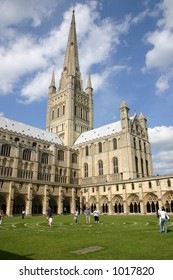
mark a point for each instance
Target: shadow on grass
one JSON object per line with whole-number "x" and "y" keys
{"x": 4, "y": 255}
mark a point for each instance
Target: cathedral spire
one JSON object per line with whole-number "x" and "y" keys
{"x": 71, "y": 61}
{"x": 89, "y": 85}
{"x": 70, "y": 75}
{"x": 52, "y": 84}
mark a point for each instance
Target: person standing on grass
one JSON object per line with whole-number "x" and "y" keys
{"x": 96, "y": 216}
{"x": 1, "y": 216}
{"x": 49, "y": 216}
{"x": 163, "y": 220}
{"x": 23, "y": 214}
{"x": 76, "y": 216}
{"x": 159, "y": 217}
{"x": 50, "y": 220}
{"x": 87, "y": 212}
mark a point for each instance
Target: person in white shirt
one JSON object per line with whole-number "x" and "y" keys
{"x": 96, "y": 216}
{"x": 163, "y": 220}
{"x": 76, "y": 216}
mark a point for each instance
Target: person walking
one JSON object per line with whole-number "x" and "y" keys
{"x": 1, "y": 216}
{"x": 87, "y": 213}
{"x": 49, "y": 216}
{"x": 163, "y": 219}
{"x": 96, "y": 216}
{"x": 76, "y": 216}
{"x": 23, "y": 214}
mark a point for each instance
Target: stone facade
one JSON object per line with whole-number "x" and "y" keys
{"x": 73, "y": 165}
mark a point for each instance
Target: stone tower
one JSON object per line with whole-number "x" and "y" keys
{"x": 70, "y": 108}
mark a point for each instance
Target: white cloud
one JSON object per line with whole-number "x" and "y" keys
{"x": 162, "y": 84}
{"x": 162, "y": 135}
{"x": 167, "y": 20}
{"x": 160, "y": 57}
{"x": 162, "y": 148}
{"x": 15, "y": 12}
{"x": 99, "y": 79}
{"x": 35, "y": 89}
{"x": 28, "y": 54}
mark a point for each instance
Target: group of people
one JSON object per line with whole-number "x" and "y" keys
{"x": 163, "y": 218}
{"x": 161, "y": 214}
{"x": 87, "y": 213}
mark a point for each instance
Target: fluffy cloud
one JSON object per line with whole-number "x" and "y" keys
{"x": 162, "y": 84}
{"x": 160, "y": 57}
{"x": 162, "y": 148}
{"x": 162, "y": 135}
{"x": 30, "y": 58}
{"x": 15, "y": 12}
{"x": 99, "y": 79}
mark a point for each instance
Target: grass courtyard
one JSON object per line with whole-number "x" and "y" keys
{"x": 130, "y": 237}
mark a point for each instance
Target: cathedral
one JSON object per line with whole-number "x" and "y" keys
{"x": 73, "y": 165}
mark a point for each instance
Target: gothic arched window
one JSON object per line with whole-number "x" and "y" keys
{"x": 61, "y": 155}
{"x": 100, "y": 165}
{"x": 86, "y": 151}
{"x": 26, "y": 155}
{"x": 44, "y": 158}
{"x": 100, "y": 147}
{"x": 74, "y": 158}
{"x": 115, "y": 165}
{"x": 86, "y": 170}
{"x": 115, "y": 144}
{"x": 5, "y": 150}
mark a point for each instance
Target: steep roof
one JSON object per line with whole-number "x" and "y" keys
{"x": 71, "y": 61}
{"x": 28, "y": 130}
{"x": 99, "y": 132}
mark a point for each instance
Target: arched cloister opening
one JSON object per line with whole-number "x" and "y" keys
{"x": 118, "y": 204}
{"x": 3, "y": 205}
{"x": 19, "y": 204}
{"x": 168, "y": 201}
{"x": 66, "y": 205}
{"x": 104, "y": 205}
{"x": 92, "y": 203}
{"x": 37, "y": 206}
{"x": 53, "y": 205}
{"x": 151, "y": 203}
{"x": 134, "y": 204}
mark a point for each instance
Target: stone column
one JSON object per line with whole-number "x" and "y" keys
{"x": 35, "y": 174}
{"x": 10, "y": 200}
{"x": 110, "y": 200}
{"x": 80, "y": 197}
{"x": 60, "y": 202}
{"x": 53, "y": 164}
{"x": 45, "y": 199}
{"x": 160, "y": 197}
{"x": 97, "y": 200}
{"x": 68, "y": 174}
{"x": 16, "y": 160}
{"x": 29, "y": 200}
{"x": 87, "y": 198}
{"x": 125, "y": 200}
{"x": 73, "y": 200}
{"x": 142, "y": 206}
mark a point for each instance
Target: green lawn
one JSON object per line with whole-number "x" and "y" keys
{"x": 128, "y": 237}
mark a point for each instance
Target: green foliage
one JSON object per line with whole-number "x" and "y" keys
{"x": 130, "y": 237}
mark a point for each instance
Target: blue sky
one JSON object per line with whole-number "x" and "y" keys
{"x": 126, "y": 45}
